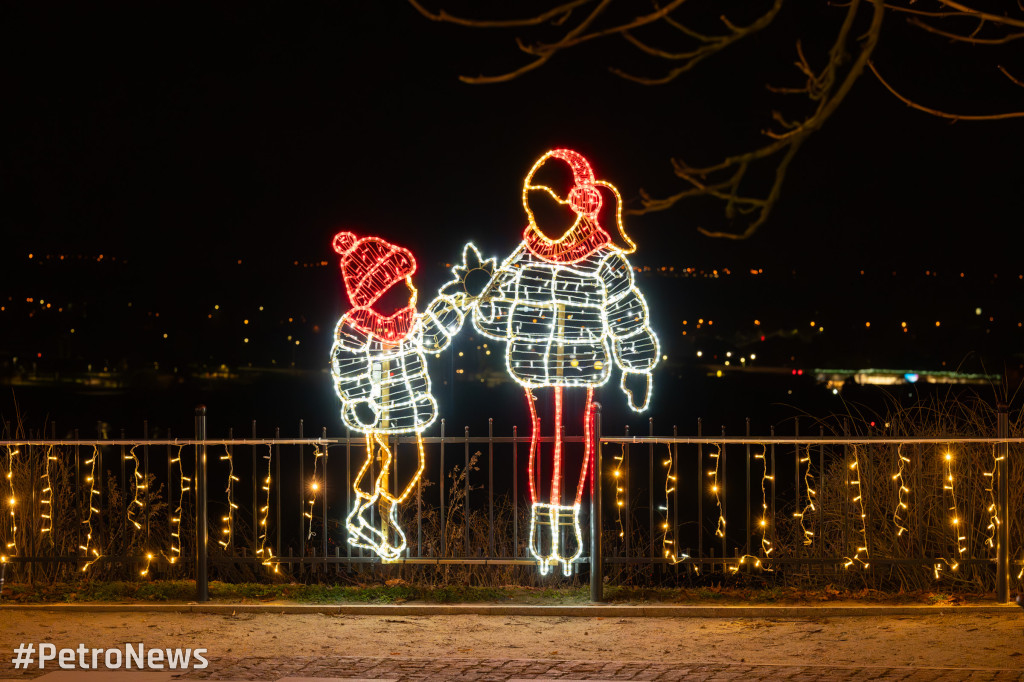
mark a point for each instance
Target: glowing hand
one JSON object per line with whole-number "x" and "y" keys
{"x": 637, "y": 387}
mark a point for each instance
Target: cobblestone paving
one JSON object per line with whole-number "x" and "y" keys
{"x": 470, "y": 670}
{"x": 402, "y": 669}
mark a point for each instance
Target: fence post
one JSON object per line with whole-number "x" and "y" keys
{"x": 202, "y": 532}
{"x": 596, "y": 557}
{"x": 1003, "y": 529}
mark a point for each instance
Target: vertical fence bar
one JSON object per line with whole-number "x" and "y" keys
{"x": 255, "y": 497}
{"x": 230, "y": 449}
{"x": 277, "y": 489}
{"x": 145, "y": 476}
{"x": 748, "y": 531}
{"x": 1003, "y": 529}
{"x": 700, "y": 493}
{"x": 490, "y": 487}
{"x": 515, "y": 492}
{"x": 302, "y": 505}
{"x": 465, "y": 503}
{"x": 348, "y": 488}
{"x": 846, "y": 489}
{"x": 444, "y": 519}
{"x": 650, "y": 486}
{"x": 820, "y": 522}
{"x": 596, "y": 556}
{"x": 202, "y": 530}
{"x": 675, "y": 498}
{"x": 796, "y": 472}
{"x": 78, "y": 495}
{"x": 625, "y": 499}
{"x": 170, "y": 495}
{"x": 324, "y": 498}
{"x": 722, "y": 487}
{"x": 774, "y": 519}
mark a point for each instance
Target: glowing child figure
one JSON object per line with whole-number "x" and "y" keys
{"x": 380, "y": 375}
{"x": 568, "y": 308}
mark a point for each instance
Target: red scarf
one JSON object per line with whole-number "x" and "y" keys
{"x": 580, "y": 241}
{"x": 390, "y": 329}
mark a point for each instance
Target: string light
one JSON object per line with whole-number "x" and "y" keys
{"x": 858, "y": 497}
{"x": 47, "y": 499}
{"x": 11, "y": 545}
{"x": 668, "y": 537}
{"x": 264, "y": 552}
{"x": 227, "y": 530}
{"x": 149, "y": 561}
{"x": 379, "y": 370}
{"x": 716, "y": 489}
{"x": 811, "y": 496}
{"x": 901, "y": 501}
{"x": 990, "y": 488}
{"x": 314, "y": 485}
{"x": 567, "y": 308}
{"x": 138, "y": 486}
{"x": 87, "y": 548}
{"x": 183, "y": 488}
{"x": 954, "y": 520}
{"x": 763, "y": 522}
{"x": 618, "y": 475}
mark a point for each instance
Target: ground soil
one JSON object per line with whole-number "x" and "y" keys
{"x": 952, "y": 639}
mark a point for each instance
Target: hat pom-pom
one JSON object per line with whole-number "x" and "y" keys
{"x": 343, "y": 241}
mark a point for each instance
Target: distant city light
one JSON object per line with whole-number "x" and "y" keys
{"x": 977, "y": 311}
{"x": 700, "y": 353}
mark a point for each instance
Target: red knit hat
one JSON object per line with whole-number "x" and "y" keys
{"x": 371, "y": 266}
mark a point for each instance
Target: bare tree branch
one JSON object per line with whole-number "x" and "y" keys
{"x": 965, "y": 38}
{"x": 558, "y": 15}
{"x": 943, "y": 114}
{"x": 1006, "y": 73}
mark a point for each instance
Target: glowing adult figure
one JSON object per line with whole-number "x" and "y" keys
{"x": 380, "y": 375}
{"x": 567, "y": 306}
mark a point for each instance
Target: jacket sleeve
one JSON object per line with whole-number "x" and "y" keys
{"x": 441, "y": 321}
{"x": 635, "y": 345}
{"x": 350, "y": 365}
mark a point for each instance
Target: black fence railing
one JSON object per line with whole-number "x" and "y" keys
{"x": 668, "y": 505}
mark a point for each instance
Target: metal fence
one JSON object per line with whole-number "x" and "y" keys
{"x": 805, "y": 501}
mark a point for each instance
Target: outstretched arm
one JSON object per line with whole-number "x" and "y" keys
{"x": 635, "y": 345}
{"x": 442, "y": 320}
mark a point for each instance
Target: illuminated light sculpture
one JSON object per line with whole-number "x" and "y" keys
{"x": 91, "y": 480}
{"x": 379, "y": 370}
{"x": 812, "y": 494}
{"x": 11, "y": 544}
{"x": 858, "y": 497}
{"x": 568, "y": 309}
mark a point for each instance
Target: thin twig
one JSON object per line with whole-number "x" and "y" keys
{"x": 938, "y": 112}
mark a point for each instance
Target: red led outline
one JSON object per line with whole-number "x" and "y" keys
{"x": 367, "y": 280}
{"x": 534, "y": 444}
{"x": 556, "y": 469}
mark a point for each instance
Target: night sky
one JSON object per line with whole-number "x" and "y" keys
{"x": 195, "y": 135}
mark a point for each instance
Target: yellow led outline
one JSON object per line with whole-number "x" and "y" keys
{"x": 859, "y": 499}
{"x": 11, "y": 545}
{"x": 91, "y": 480}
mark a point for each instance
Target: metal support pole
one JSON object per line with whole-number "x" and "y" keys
{"x": 596, "y": 557}
{"x": 1003, "y": 529}
{"x": 202, "y": 531}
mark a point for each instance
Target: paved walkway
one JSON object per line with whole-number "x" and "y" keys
{"x": 400, "y": 669}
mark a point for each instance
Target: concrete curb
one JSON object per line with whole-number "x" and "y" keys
{"x": 581, "y": 610}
